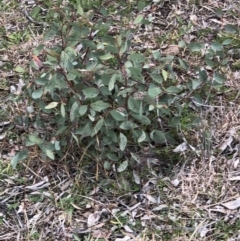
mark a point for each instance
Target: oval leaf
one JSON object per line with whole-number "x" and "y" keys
{"x": 90, "y": 92}
{"x": 195, "y": 47}
{"x": 37, "y": 93}
{"x": 117, "y": 115}
{"x": 128, "y": 125}
{"x": 133, "y": 104}
{"x": 122, "y": 166}
{"x": 74, "y": 111}
{"x": 154, "y": 91}
{"x": 97, "y": 127}
{"x": 164, "y": 74}
{"x": 106, "y": 56}
{"x": 112, "y": 82}
{"x": 230, "y": 28}
{"x": 158, "y": 136}
{"x": 19, "y": 157}
{"x": 99, "y": 105}
{"x": 50, "y": 154}
{"x": 34, "y": 139}
{"x": 138, "y": 19}
{"x": 173, "y": 89}
{"x": 51, "y": 105}
{"x": 82, "y": 110}
{"x": 123, "y": 142}
{"x": 142, "y": 137}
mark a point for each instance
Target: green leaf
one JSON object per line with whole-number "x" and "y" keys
{"x": 51, "y": 33}
{"x": 106, "y": 56}
{"x": 138, "y": 19}
{"x": 195, "y": 47}
{"x": 157, "y": 78}
{"x": 133, "y": 104}
{"x": 90, "y": 92}
{"x": 197, "y": 99}
{"x": 104, "y": 90}
{"x": 89, "y": 44}
{"x": 112, "y": 157}
{"x": 158, "y": 136}
{"x": 103, "y": 11}
{"x": 219, "y": 12}
{"x": 75, "y": 138}
{"x": 153, "y": 91}
{"x": 34, "y": 139}
{"x": 112, "y": 49}
{"x": 142, "y": 137}
{"x": 107, "y": 165}
{"x": 112, "y": 82}
{"x": 135, "y": 157}
{"x": 175, "y": 121}
{"x": 122, "y": 166}
{"x": 203, "y": 75}
{"x": 51, "y": 105}
{"x": 80, "y": 9}
{"x": 216, "y": 46}
{"x": 220, "y": 79}
{"x": 50, "y": 154}
{"x": 19, "y": 69}
{"x": 117, "y": 115}
{"x": 38, "y": 50}
{"x": 210, "y": 62}
{"x": 141, "y": 5}
{"x": 74, "y": 111}
{"x": 164, "y": 74}
{"x": 61, "y": 130}
{"x": 196, "y": 83}
{"x": 230, "y": 28}
{"x": 183, "y": 64}
{"x": 173, "y": 90}
{"x": 156, "y": 55}
{"x": 65, "y": 61}
{"x": 99, "y": 105}
{"x": 128, "y": 125}
{"x": 137, "y": 59}
{"x": 227, "y": 41}
{"x": 97, "y": 127}
{"x": 82, "y": 110}
{"x": 125, "y": 91}
{"x": 181, "y": 44}
{"x": 85, "y": 131}
{"x": 35, "y": 12}
{"x": 51, "y": 61}
{"x": 144, "y": 120}
{"x": 41, "y": 81}
{"x": 37, "y": 93}
{"x": 136, "y": 73}
{"x": 19, "y": 157}
{"x": 125, "y": 47}
{"x": 122, "y": 142}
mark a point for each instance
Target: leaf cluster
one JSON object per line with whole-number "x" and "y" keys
{"x": 95, "y": 92}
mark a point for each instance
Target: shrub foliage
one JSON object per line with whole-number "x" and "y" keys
{"x": 97, "y": 93}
